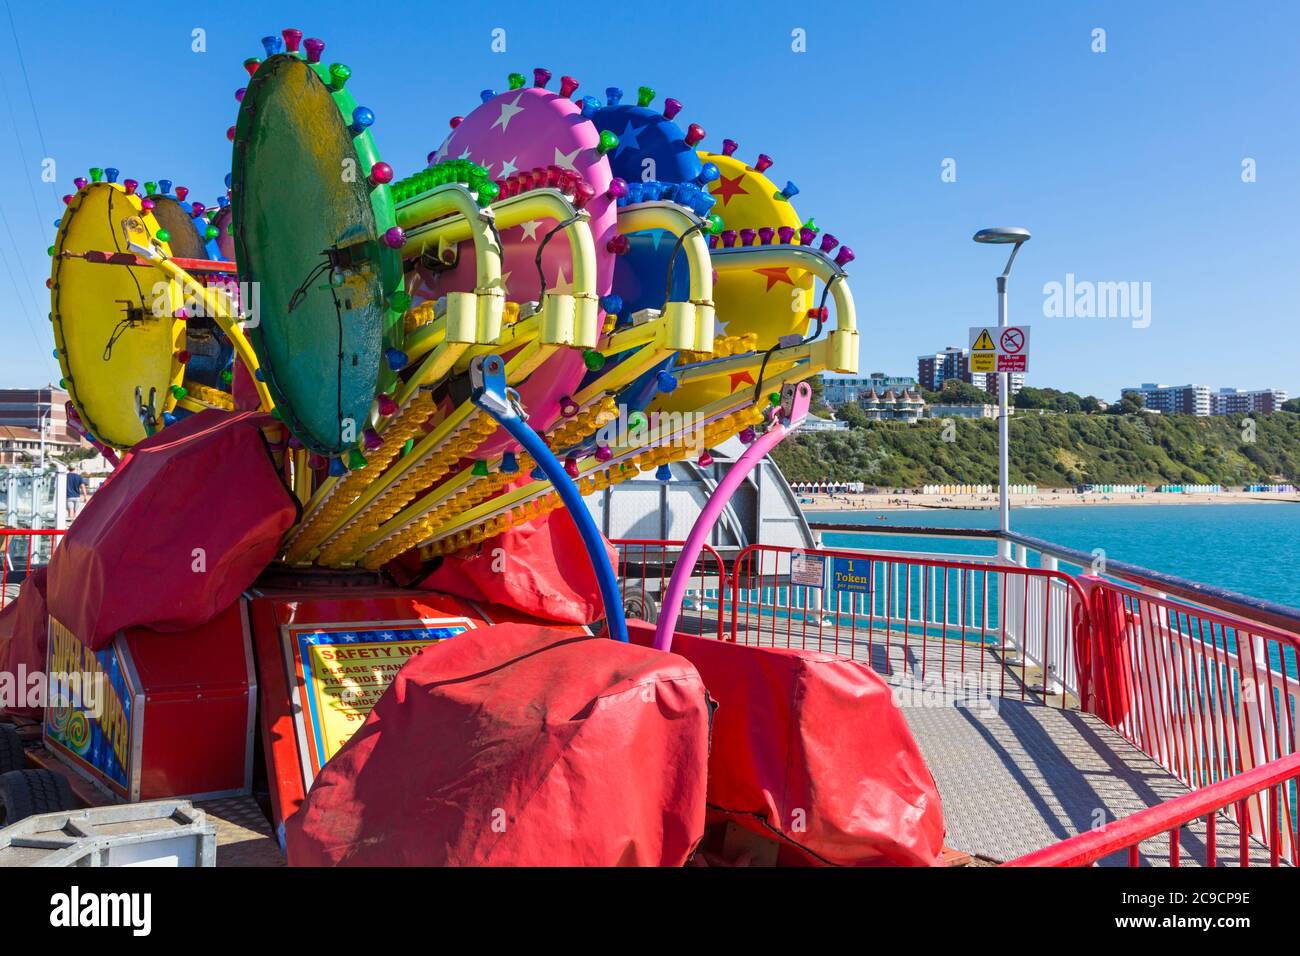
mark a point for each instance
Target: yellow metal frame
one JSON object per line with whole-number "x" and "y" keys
{"x": 215, "y": 304}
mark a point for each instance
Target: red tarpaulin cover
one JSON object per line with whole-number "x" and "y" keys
{"x": 24, "y": 633}
{"x": 540, "y": 568}
{"x": 810, "y": 749}
{"x": 516, "y": 745}
{"x": 186, "y": 523}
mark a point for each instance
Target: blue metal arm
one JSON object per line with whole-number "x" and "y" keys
{"x": 490, "y": 393}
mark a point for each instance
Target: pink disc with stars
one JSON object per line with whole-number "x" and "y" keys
{"x": 518, "y": 131}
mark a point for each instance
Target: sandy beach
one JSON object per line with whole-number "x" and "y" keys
{"x": 1042, "y": 499}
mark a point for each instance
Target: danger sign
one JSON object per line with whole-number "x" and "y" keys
{"x": 997, "y": 349}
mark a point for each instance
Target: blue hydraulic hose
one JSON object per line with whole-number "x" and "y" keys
{"x": 591, "y": 539}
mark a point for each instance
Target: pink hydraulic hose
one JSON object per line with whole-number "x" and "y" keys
{"x": 794, "y": 407}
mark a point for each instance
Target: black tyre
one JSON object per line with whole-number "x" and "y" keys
{"x": 27, "y": 792}
{"x": 11, "y": 749}
{"x": 640, "y": 603}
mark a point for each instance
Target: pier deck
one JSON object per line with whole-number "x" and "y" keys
{"x": 1015, "y": 773}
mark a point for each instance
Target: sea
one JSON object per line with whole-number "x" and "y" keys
{"x": 1253, "y": 549}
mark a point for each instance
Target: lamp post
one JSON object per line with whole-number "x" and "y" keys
{"x": 1016, "y": 237}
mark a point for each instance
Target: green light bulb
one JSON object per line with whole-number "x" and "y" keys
{"x": 96, "y": 174}
{"x": 715, "y": 224}
{"x": 163, "y": 235}
{"x": 339, "y": 75}
{"x": 608, "y": 141}
{"x": 150, "y": 188}
{"x": 399, "y": 302}
{"x": 178, "y": 392}
{"x": 644, "y": 96}
{"x": 480, "y": 468}
{"x": 211, "y": 232}
{"x": 356, "y": 459}
{"x": 516, "y": 81}
{"x": 593, "y": 360}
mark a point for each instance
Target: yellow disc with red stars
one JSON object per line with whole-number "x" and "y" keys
{"x": 769, "y": 302}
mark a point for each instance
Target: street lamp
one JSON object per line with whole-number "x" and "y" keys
{"x": 1016, "y": 237}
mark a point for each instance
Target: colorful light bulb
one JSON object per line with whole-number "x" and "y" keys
{"x": 362, "y": 119}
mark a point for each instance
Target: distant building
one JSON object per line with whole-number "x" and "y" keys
{"x": 1232, "y": 401}
{"x": 33, "y": 407}
{"x": 1174, "y": 399}
{"x": 964, "y": 411}
{"x": 843, "y": 390}
{"x": 1199, "y": 400}
{"x": 812, "y": 423}
{"x": 934, "y": 369}
{"x": 905, "y": 405}
{"x": 990, "y": 382}
{"x": 23, "y": 445}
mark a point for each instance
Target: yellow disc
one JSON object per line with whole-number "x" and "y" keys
{"x": 114, "y": 324}
{"x": 769, "y": 302}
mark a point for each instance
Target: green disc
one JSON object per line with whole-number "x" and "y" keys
{"x": 309, "y": 229}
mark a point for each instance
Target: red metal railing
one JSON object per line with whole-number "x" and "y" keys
{"x": 20, "y": 551}
{"x": 646, "y": 564}
{"x": 1208, "y": 695}
{"x": 1266, "y": 784}
{"x": 985, "y": 622}
{"x": 1211, "y": 696}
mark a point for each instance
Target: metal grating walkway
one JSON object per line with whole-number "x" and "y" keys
{"x": 1015, "y": 775}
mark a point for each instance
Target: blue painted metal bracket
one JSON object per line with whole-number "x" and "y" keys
{"x": 488, "y": 391}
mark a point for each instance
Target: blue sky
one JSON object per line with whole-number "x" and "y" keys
{"x": 1126, "y": 165}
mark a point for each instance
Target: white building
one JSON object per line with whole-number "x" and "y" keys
{"x": 1174, "y": 399}
{"x": 812, "y": 423}
{"x": 846, "y": 390}
{"x": 965, "y": 411}
{"x": 1233, "y": 401}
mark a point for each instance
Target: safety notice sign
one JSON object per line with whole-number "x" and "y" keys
{"x": 999, "y": 349}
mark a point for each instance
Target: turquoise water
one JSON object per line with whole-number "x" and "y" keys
{"x": 1251, "y": 548}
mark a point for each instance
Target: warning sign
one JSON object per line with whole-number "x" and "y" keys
{"x": 807, "y": 570}
{"x": 997, "y": 349}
